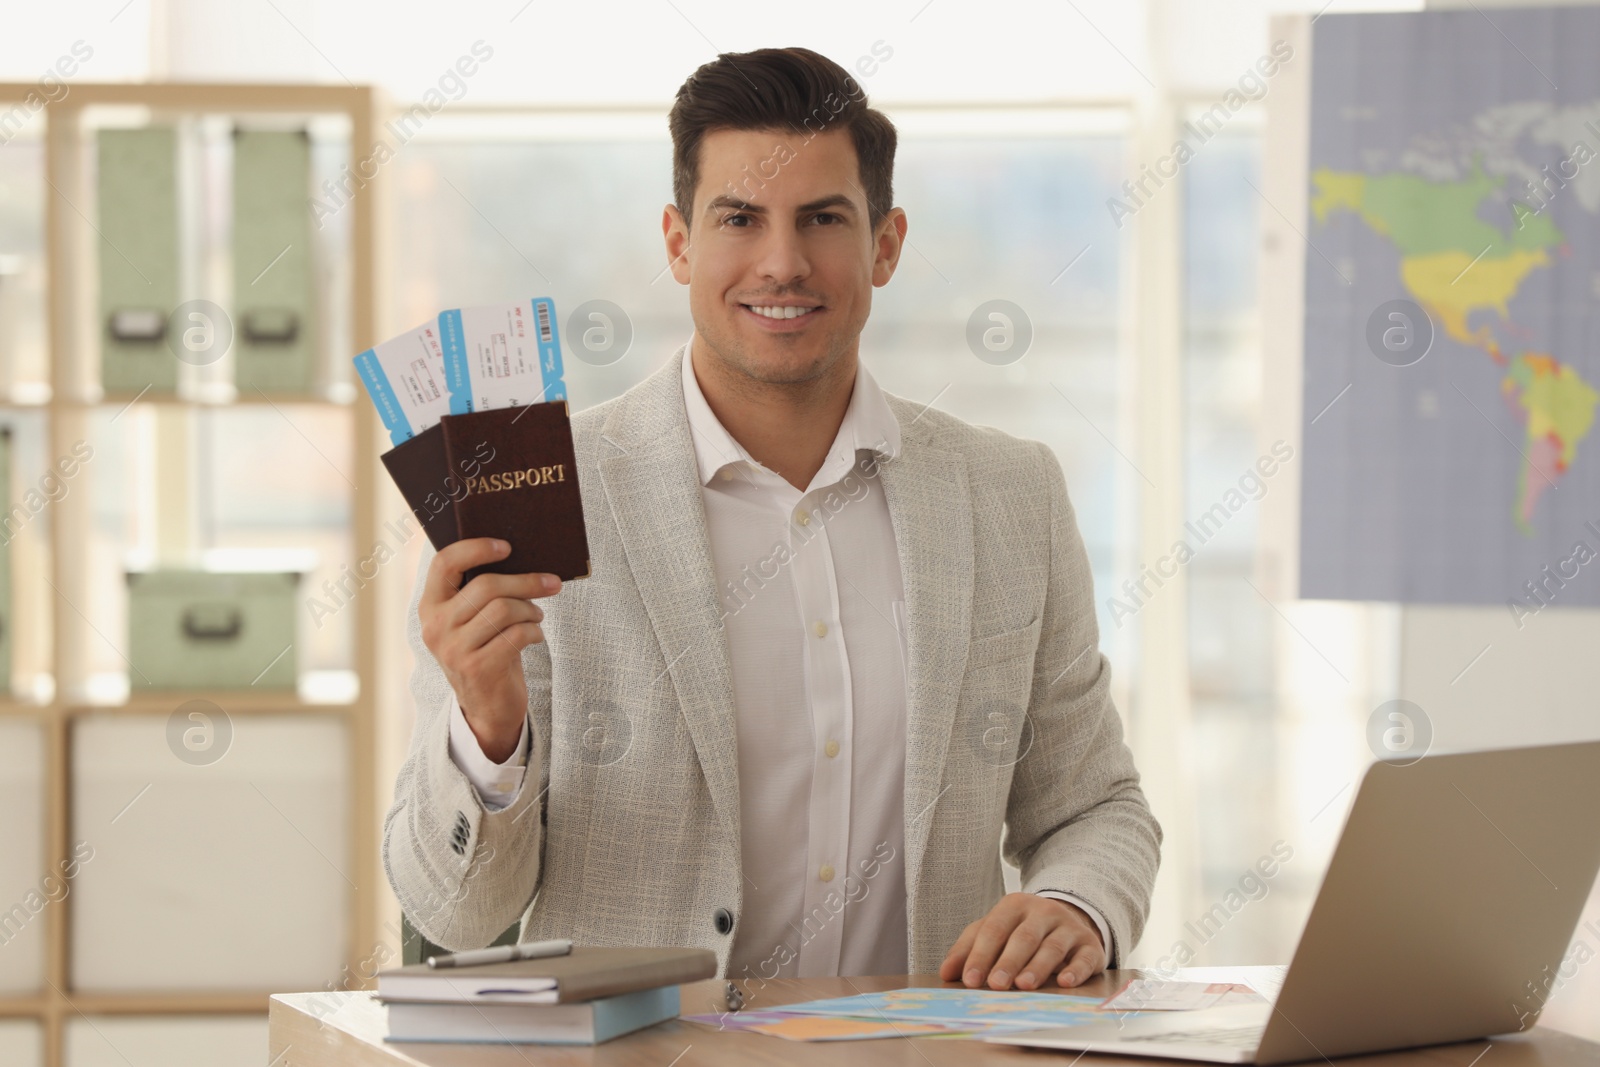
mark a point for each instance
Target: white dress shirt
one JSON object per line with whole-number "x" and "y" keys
{"x": 813, "y": 606}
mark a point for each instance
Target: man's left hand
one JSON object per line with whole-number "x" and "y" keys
{"x": 1028, "y": 937}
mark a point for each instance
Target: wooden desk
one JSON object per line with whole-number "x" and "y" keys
{"x": 346, "y": 1030}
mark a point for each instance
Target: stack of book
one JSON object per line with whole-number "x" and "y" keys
{"x": 584, "y": 998}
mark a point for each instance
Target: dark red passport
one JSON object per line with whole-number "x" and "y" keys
{"x": 509, "y": 473}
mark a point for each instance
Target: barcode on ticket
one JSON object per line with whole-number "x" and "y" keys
{"x": 546, "y": 332}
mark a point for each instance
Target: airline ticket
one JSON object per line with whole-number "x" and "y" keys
{"x": 502, "y": 355}
{"x": 405, "y": 376}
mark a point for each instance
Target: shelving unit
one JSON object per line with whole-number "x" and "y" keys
{"x": 70, "y": 246}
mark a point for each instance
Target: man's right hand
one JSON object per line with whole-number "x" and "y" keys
{"x": 477, "y": 633}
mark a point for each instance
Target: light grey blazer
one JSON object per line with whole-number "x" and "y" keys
{"x": 632, "y": 834}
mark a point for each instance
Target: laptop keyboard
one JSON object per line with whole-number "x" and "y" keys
{"x": 1240, "y": 1037}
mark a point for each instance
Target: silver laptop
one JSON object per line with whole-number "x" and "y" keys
{"x": 1452, "y": 895}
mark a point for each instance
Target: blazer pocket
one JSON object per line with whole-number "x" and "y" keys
{"x": 997, "y": 648}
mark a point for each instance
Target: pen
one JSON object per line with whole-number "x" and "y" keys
{"x": 530, "y": 950}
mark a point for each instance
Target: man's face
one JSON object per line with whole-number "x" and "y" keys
{"x": 780, "y": 256}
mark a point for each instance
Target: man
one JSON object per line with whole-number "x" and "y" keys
{"x": 833, "y": 643}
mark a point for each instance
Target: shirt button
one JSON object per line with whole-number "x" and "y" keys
{"x": 803, "y": 517}
{"x": 821, "y": 628}
{"x": 826, "y": 874}
{"x": 831, "y": 748}
{"x": 505, "y": 784}
{"x": 727, "y": 474}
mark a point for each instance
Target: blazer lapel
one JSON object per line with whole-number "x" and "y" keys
{"x": 648, "y": 469}
{"x": 926, "y": 492}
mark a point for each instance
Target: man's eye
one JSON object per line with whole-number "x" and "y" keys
{"x": 738, "y": 221}
{"x": 826, "y": 218}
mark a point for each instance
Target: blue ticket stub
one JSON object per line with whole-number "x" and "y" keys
{"x": 405, "y": 377}
{"x": 502, "y": 355}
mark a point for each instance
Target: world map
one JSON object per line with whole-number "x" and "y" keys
{"x": 1451, "y": 367}
{"x": 962, "y": 1006}
{"x": 1434, "y": 227}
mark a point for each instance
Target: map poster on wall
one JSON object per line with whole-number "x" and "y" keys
{"x": 1452, "y": 346}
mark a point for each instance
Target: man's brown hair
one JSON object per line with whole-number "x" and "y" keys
{"x": 793, "y": 89}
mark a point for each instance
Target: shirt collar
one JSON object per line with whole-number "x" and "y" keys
{"x": 868, "y": 424}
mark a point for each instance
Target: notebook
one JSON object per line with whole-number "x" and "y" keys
{"x": 584, "y": 974}
{"x": 586, "y": 1022}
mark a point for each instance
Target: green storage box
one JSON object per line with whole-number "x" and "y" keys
{"x": 273, "y": 293}
{"x": 195, "y": 629}
{"x": 138, "y": 254}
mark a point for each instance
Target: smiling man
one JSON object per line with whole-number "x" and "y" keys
{"x": 838, "y": 654}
